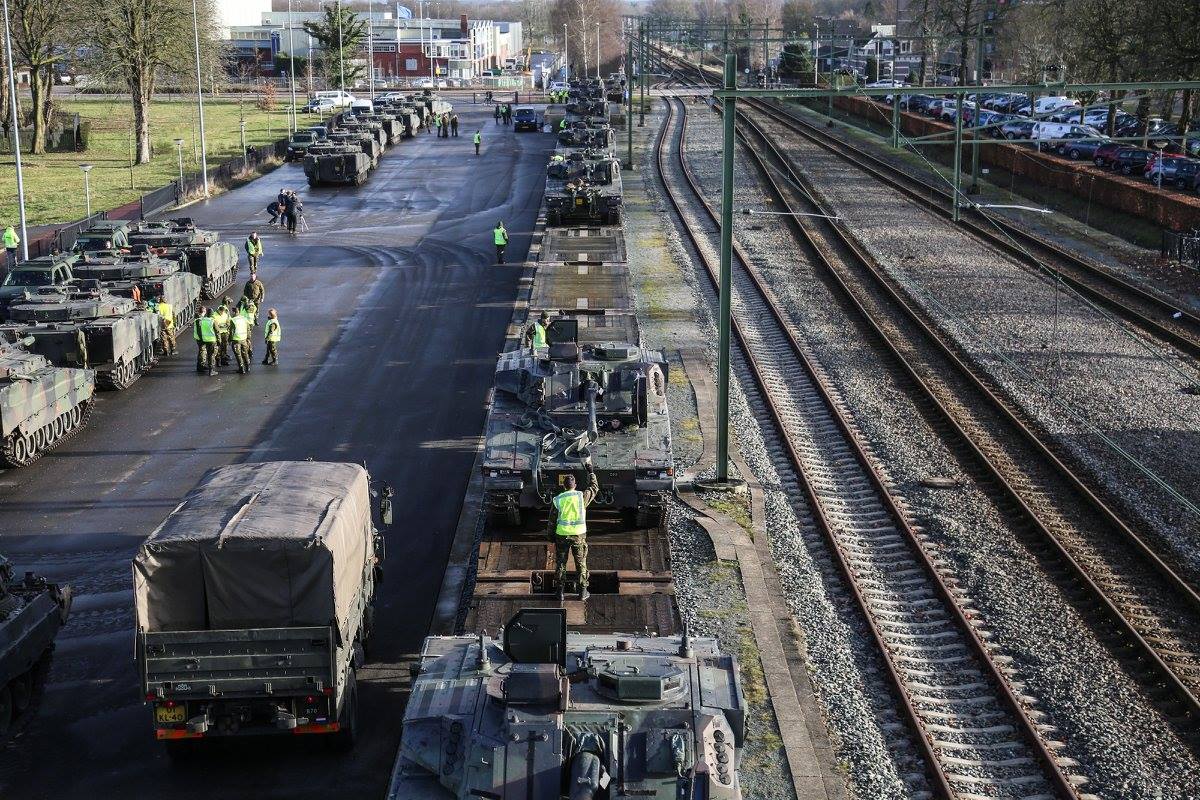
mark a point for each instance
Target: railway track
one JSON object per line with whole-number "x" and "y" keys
{"x": 1150, "y": 312}
{"x": 976, "y": 734}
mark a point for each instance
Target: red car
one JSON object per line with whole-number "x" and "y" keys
{"x": 1105, "y": 153}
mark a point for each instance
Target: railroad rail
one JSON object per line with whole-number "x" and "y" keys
{"x": 1151, "y": 312}
{"x": 975, "y": 733}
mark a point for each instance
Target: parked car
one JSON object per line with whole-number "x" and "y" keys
{"x": 1048, "y": 135}
{"x": 1019, "y": 128}
{"x": 525, "y": 118}
{"x": 1081, "y": 143}
{"x": 1052, "y": 103}
{"x": 1167, "y": 166}
{"x": 1187, "y": 174}
{"x": 1131, "y": 160}
{"x": 950, "y": 110}
{"x": 917, "y": 102}
{"x": 1106, "y": 152}
{"x": 321, "y": 105}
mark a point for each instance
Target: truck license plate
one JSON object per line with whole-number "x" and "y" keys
{"x": 578, "y": 201}
{"x": 169, "y": 714}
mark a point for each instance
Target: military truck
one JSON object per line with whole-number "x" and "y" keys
{"x": 104, "y": 234}
{"x": 299, "y": 143}
{"x": 544, "y": 714}
{"x": 32, "y": 611}
{"x": 200, "y": 252}
{"x": 336, "y": 164}
{"x": 154, "y": 278}
{"x": 41, "y": 406}
{"x": 362, "y": 140}
{"x": 556, "y": 407}
{"x": 254, "y": 603}
{"x": 32, "y": 275}
{"x": 82, "y": 325}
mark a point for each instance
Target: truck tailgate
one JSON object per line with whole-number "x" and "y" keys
{"x": 237, "y": 663}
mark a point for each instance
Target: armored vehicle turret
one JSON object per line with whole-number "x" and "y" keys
{"x": 336, "y": 164}
{"x": 153, "y": 277}
{"x": 360, "y": 125}
{"x": 587, "y": 134}
{"x": 592, "y": 196}
{"x": 363, "y": 140}
{"x": 544, "y": 714}
{"x": 31, "y": 275}
{"x": 433, "y": 103}
{"x": 41, "y": 405}
{"x": 555, "y": 407}
{"x": 198, "y": 251}
{"x": 588, "y": 107}
{"x": 31, "y": 613}
{"x": 104, "y": 234}
{"x": 391, "y": 125}
{"x": 82, "y": 325}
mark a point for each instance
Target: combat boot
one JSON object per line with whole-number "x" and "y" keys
{"x": 561, "y": 595}
{"x": 584, "y": 594}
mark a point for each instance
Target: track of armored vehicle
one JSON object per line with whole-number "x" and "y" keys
{"x": 32, "y": 611}
{"x": 41, "y": 405}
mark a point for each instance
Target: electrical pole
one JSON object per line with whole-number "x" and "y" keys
{"x": 199, "y": 99}
{"x": 341, "y": 53}
{"x": 642, "y": 74}
{"x": 975, "y": 116}
{"x": 12, "y": 94}
{"x": 629, "y": 94}
{"x": 370, "y": 50}
{"x": 728, "y": 109}
{"x": 291, "y": 66}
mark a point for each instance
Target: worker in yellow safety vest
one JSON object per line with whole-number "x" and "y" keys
{"x": 567, "y": 527}
{"x": 166, "y": 316}
{"x": 500, "y": 238}
{"x": 206, "y": 342}
{"x": 273, "y": 334}
{"x": 535, "y": 334}
{"x": 239, "y": 335}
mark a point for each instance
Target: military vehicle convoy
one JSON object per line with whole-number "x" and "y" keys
{"x": 298, "y": 144}
{"x": 31, "y": 275}
{"x": 82, "y": 325}
{"x": 154, "y": 278}
{"x": 336, "y": 164}
{"x": 41, "y": 405}
{"x": 254, "y": 603}
{"x": 198, "y": 251}
{"x": 589, "y": 134}
{"x": 32, "y": 611}
{"x": 104, "y": 234}
{"x": 363, "y": 139}
{"x": 543, "y": 714}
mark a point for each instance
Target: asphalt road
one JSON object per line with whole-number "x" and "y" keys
{"x": 392, "y": 313}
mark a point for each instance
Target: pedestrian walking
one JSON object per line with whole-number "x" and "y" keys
{"x": 254, "y": 250}
{"x": 507, "y": 114}
{"x": 166, "y": 326}
{"x": 496, "y": 113}
{"x": 478, "y": 141}
{"x": 437, "y": 121}
{"x": 273, "y": 334}
{"x": 206, "y": 342}
{"x": 11, "y": 240}
{"x": 567, "y": 528}
{"x": 240, "y": 336}
{"x": 454, "y": 125}
{"x": 500, "y": 238}
{"x": 220, "y": 321}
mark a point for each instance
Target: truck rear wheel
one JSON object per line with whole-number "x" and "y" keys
{"x": 343, "y": 741}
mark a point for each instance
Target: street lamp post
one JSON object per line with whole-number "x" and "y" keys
{"x": 370, "y": 51}
{"x": 341, "y": 55}
{"x": 291, "y": 75}
{"x": 245, "y": 160}
{"x": 87, "y": 190}
{"x": 179, "y": 152}
{"x": 816, "y": 52}
{"x": 199, "y": 98}
{"x": 597, "y": 51}
{"x": 566, "y": 55}
{"x": 12, "y": 93}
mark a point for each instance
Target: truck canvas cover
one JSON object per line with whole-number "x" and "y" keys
{"x": 273, "y": 545}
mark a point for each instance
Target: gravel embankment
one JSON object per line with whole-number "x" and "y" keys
{"x": 1123, "y": 745}
{"x": 1099, "y": 389}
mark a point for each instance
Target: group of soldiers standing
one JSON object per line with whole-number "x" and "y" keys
{"x": 228, "y": 327}
{"x": 447, "y": 125}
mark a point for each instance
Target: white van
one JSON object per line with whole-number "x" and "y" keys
{"x": 338, "y": 98}
{"x": 1043, "y": 131}
{"x": 362, "y": 107}
{"x": 1048, "y": 105}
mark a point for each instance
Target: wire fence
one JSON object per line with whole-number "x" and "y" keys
{"x": 1182, "y": 247}
{"x": 225, "y": 173}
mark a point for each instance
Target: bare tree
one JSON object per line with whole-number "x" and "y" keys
{"x": 137, "y": 42}
{"x": 39, "y": 31}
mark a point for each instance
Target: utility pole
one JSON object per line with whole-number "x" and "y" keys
{"x": 291, "y": 67}
{"x": 16, "y": 128}
{"x": 199, "y": 101}
{"x": 341, "y": 54}
{"x": 370, "y": 51}
{"x": 642, "y": 73}
{"x": 629, "y": 94}
{"x": 728, "y": 109}
{"x": 958, "y": 109}
{"x": 975, "y": 116}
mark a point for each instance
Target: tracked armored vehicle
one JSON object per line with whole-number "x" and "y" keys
{"x": 336, "y": 164}
{"x": 555, "y": 407}
{"x": 374, "y": 129}
{"x": 198, "y": 251}
{"x": 391, "y": 125}
{"x": 31, "y": 613}
{"x": 588, "y": 107}
{"x": 543, "y": 714}
{"x": 104, "y": 234}
{"x": 152, "y": 276}
{"x": 82, "y": 325}
{"x": 41, "y": 405}
{"x": 592, "y": 196}
{"x": 433, "y": 103}
{"x": 31, "y": 275}
{"x": 587, "y": 134}
{"x": 363, "y": 140}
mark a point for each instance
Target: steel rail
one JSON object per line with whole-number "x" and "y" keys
{"x": 1014, "y": 705}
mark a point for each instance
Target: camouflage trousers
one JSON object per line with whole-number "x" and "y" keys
{"x": 241, "y": 351}
{"x": 168, "y": 339}
{"x": 223, "y": 348}
{"x": 272, "y": 353}
{"x": 206, "y": 356}
{"x": 571, "y": 545}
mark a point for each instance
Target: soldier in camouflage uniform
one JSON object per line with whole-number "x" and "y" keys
{"x": 567, "y": 528}
{"x": 221, "y": 324}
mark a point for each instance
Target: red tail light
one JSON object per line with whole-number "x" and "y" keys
{"x": 328, "y": 691}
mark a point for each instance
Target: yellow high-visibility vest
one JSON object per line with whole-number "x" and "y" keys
{"x": 572, "y": 514}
